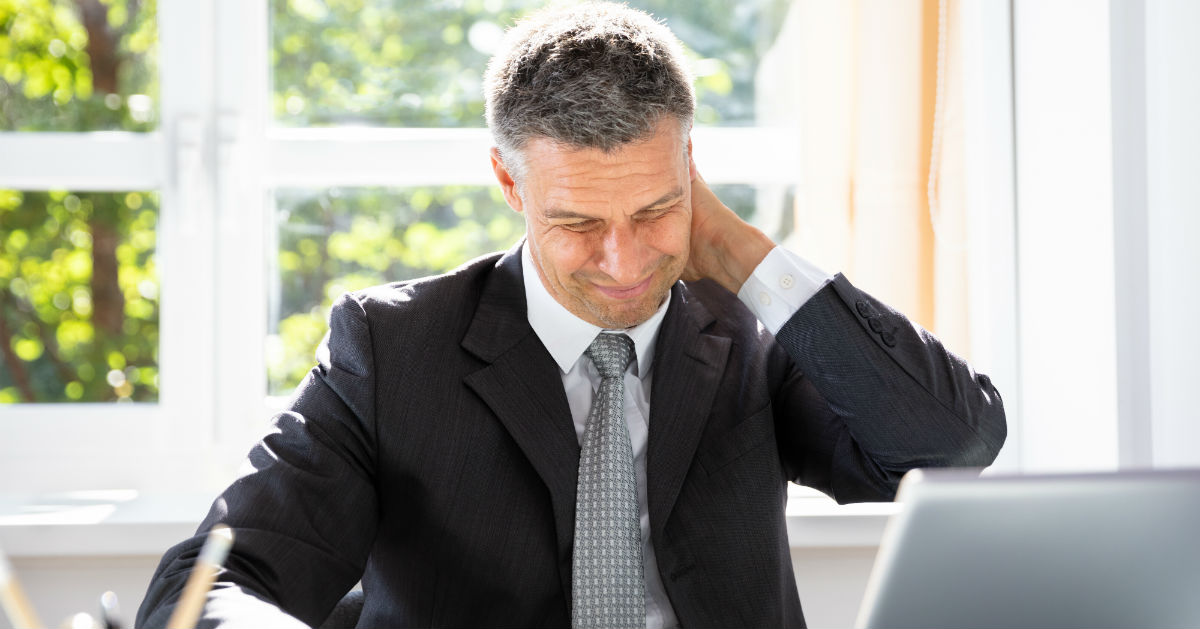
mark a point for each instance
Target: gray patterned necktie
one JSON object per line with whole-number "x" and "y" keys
{"x": 606, "y": 580}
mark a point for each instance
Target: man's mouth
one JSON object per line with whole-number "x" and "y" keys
{"x": 626, "y": 292}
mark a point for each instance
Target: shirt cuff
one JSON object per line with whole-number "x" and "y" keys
{"x": 779, "y": 286}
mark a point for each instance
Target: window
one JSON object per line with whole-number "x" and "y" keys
{"x": 89, "y": 218}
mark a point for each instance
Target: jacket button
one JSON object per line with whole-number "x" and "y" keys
{"x": 889, "y": 339}
{"x": 863, "y": 308}
{"x": 875, "y": 325}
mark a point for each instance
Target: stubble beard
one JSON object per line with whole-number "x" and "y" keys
{"x": 615, "y": 317}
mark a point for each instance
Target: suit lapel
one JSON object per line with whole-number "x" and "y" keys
{"x": 688, "y": 366}
{"x": 522, "y": 386}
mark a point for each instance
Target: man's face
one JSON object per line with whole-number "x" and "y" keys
{"x": 608, "y": 233}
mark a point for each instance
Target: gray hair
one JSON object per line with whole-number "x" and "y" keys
{"x": 598, "y": 75}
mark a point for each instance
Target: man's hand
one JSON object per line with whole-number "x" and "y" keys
{"x": 724, "y": 248}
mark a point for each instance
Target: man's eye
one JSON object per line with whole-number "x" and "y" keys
{"x": 580, "y": 226}
{"x": 650, "y": 215}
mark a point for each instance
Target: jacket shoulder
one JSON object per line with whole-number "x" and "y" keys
{"x": 431, "y": 297}
{"x": 403, "y": 317}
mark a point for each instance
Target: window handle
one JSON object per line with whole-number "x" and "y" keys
{"x": 190, "y": 173}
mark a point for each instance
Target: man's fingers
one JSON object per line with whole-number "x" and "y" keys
{"x": 723, "y": 248}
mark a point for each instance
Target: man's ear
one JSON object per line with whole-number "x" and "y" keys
{"x": 507, "y": 185}
{"x": 691, "y": 162}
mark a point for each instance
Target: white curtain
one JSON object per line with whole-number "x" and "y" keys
{"x": 880, "y": 193}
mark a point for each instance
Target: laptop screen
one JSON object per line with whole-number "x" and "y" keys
{"x": 1086, "y": 550}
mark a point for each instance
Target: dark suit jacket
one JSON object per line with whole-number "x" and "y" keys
{"x": 431, "y": 453}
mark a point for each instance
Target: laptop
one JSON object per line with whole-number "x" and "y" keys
{"x": 1085, "y": 550}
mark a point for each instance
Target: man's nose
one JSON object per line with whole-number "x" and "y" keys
{"x": 621, "y": 255}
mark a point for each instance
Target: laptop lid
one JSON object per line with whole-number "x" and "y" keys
{"x": 1084, "y": 550}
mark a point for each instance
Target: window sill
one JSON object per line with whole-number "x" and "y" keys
{"x": 818, "y": 522}
{"x": 98, "y": 523}
{"x": 129, "y": 523}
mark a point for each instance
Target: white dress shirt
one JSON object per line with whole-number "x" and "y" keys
{"x": 776, "y": 290}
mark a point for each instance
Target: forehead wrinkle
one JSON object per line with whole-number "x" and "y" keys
{"x": 580, "y": 173}
{"x": 645, "y": 172}
{"x": 566, "y": 208}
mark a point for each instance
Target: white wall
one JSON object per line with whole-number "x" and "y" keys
{"x": 832, "y": 582}
{"x": 1107, "y": 130}
{"x": 1065, "y": 234}
{"x": 1173, "y": 230}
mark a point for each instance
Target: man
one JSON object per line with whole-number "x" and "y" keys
{"x": 567, "y": 433}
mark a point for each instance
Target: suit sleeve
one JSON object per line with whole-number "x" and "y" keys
{"x": 870, "y": 395}
{"x": 304, "y": 511}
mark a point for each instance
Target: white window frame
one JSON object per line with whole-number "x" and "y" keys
{"x": 216, "y": 158}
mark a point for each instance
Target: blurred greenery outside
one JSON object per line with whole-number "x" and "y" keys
{"x": 79, "y": 295}
{"x": 76, "y": 65}
{"x": 391, "y": 63}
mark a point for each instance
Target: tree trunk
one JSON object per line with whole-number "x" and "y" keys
{"x": 101, "y": 46}
{"x": 15, "y": 365}
{"x": 108, "y": 304}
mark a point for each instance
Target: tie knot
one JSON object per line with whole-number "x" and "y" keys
{"x": 611, "y": 353}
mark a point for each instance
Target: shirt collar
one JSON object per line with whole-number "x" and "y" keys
{"x": 566, "y": 336}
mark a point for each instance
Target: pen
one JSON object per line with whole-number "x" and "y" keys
{"x": 110, "y": 611}
{"x": 200, "y": 581}
{"x": 16, "y": 604}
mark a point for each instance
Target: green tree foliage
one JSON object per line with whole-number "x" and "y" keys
{"x": 78, "y": 65}
{"x": 78, "y": 326}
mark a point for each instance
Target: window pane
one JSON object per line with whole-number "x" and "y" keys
{"x": 78, "y": 296}
{"x": 78, "y": 66}
{"x": 406, "y": 64}
{"x": 340, "y": 239}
